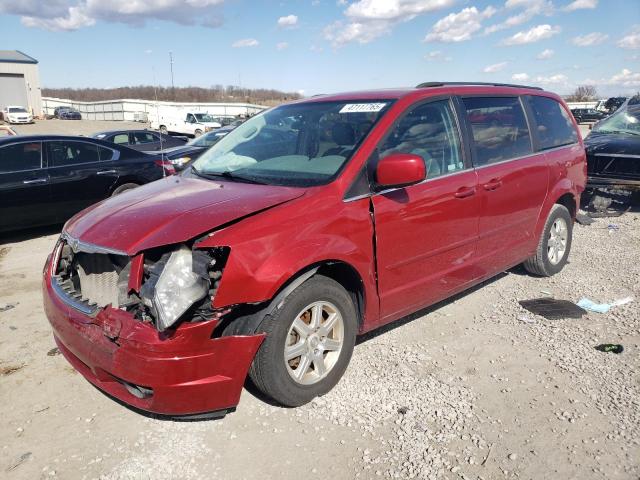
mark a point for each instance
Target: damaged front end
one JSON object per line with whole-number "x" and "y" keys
{"x": 141, "y": 328}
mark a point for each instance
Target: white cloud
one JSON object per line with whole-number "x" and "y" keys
{"x": 290, "y": 21}
{"x": 632, "y": 40}
{"x": 590, "y": 39}
{"x": 245, "y": 42}
{"x": 534, "y": 34}
{"x": 393, "y": 10}
{"x": 520, "y": 77}
{"x": 458, "y": 27}
{"x": 530, "y": 9}
{"x": 282, "y": 46}
{"x": 626, "y": 78}
{"x": 437, "y": 55}
{"x": 580, "y": 4}
{"x": 546, "y": 54}
{"x": 366, "y": 20}
{"x": 74, "y": 14}
{"x": 496, "y": 67}
{"x": 558, "y": 79}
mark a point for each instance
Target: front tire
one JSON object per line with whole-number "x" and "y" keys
{"x": 164, "y": 130}
{"x": 555, "y": 244}
{"x": 197, "y": 133}
{"x": 309, "y": 342}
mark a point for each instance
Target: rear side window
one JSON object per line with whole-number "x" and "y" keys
{"x": 143, "y": 137}
{"x": 121, "y": 139}
{"x": 499, "y": 129}
{"x": 72, "y": 153}
{"x": 20, "y": 157}
{"x": 428, "y": 130}
{"x": 553, "y": 125}
{"x": 105, "y": 153}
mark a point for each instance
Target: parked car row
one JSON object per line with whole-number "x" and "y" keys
{"x": 583, "y": 115}
{"x": 45, "y": 179}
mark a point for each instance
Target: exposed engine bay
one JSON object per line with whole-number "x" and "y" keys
{"x": 162, "y": 286}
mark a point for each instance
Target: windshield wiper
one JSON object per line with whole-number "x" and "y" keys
{"x": 226, "y": 174}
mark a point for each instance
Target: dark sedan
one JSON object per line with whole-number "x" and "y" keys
{"x": 613, "y": 150}
{"x": 46, "y": 179}
{"x": 181, "y": 156}
{"x": 141, "y": 140}
{"x": 67, "y": 113}
{"x": 583, "y": 115}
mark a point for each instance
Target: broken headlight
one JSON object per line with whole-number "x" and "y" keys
{"x": 177, "y": 288}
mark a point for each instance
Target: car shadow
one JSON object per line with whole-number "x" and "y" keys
{"x": 250, "y": 387}
{"x": 29, "y": 234}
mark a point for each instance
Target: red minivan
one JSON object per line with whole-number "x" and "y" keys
{"x": 311, "y": 223}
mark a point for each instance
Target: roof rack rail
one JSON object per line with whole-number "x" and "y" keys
{"x": 444, "y": 84}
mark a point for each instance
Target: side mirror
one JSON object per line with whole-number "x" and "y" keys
{"x": 400, "y": 170}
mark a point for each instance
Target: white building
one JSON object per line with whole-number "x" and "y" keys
{"x": 20, "y": 81}
{"x": 143, "y": 110}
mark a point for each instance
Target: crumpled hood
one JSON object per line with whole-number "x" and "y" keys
{"x": 612, "y": 143}
{"x": 171, "y": 210}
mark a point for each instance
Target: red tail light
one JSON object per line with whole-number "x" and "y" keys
{"x": 168, "y": 167}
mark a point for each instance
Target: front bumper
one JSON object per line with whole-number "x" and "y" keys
{"x": 187, "y": 373}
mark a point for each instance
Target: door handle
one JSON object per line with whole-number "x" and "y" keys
{"x": 464, "y": 192}
{"x": 105, "y": 172}
{"x": 36, "y": 180}
{"x": 493, "y": 184}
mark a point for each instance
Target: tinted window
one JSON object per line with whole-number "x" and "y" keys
{"x": 105, "y": 153}
{"x": 143, "y": 137}
{"x": 21, "y": 156}
{"x": 429, "y": 131}
{"x": 499, "y": 129}
{"x": 72, "y": 153}
{"x": 553, "y": 124}
{"x": 121, "y": 139}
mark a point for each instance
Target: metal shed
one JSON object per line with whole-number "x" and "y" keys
{"x": 20, "y": 81}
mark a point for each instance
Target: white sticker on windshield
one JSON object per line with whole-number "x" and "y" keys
{"x": 362, "y": 107}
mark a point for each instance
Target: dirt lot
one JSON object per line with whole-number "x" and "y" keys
{"x": 74, "y": 127}
{"x": 473, "y": 388}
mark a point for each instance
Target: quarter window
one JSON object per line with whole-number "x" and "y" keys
{"x": 499, "y": 129}
{"x": 21, "y": 157}
{"x": 428, "y": 130}
{"x": 105, "y": 154}
{"x": 72, "y": 153}
{"x": 553, "y": 125}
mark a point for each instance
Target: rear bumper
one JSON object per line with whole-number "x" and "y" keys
{"x": 186, "y": 374}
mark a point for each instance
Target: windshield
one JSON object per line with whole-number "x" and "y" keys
{"x": 296, "y": 145}
{"x": 204, "y": 117}
{"x": 208, "y": 139}
{"x": 626, "y": 120}
{"x": 17, "y": 110}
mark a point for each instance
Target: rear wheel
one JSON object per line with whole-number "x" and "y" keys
{"x": 308, "y": 345}
{"x": 163, "y": 129}
{"x": 554, "y": 245}
{"x": 124, "y": 187}
{"x": 198, "y": 132}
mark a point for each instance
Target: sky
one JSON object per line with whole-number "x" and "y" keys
{"x": 326, "y": 46}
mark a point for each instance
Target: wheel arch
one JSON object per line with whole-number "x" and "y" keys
{"x": 247, "y": 320}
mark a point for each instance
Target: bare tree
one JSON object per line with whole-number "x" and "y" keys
{"x": 583, "y": 93}
{"x": 216, "y": 93}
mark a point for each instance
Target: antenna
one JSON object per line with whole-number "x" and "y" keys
{"x": 173, "y": 87}
{"x": 155, "y": 93}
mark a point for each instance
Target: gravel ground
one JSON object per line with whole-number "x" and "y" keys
{"x": 75, "y": 127}
{"x": 465, "y": 389}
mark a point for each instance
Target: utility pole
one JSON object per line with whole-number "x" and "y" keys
{"x": 173, "y": 87}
